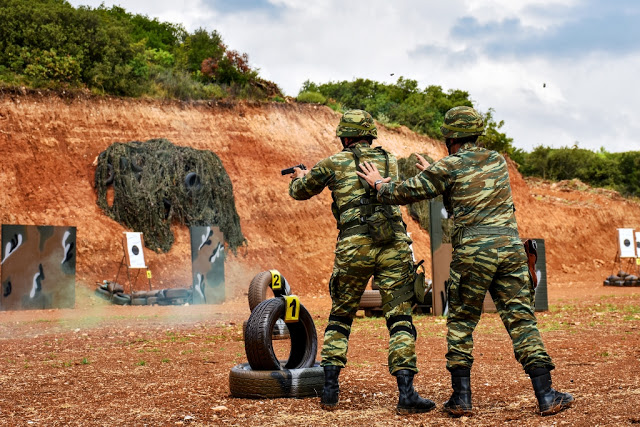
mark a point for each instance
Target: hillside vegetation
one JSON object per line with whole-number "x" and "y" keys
{"x": 404, "y": 103}
{"x": 51, "y": 44}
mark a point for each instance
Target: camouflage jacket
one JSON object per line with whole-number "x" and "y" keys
{"x": 338, "y": 172}
{"x": 474, "y": 181}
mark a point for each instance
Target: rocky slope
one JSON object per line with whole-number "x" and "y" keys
{"x": 48, "y": 143}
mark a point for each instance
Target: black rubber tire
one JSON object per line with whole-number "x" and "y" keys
{"x": 280, "y": 330}
{"x": 144, "y": 294}
{"x": 245, "y": 382}
{"x": 103, "y": 293}
{"x": 259, "y": 286}
{"x": 258, "y": 342}
{"x": 134, "y": 165}
{"x": 110, "y": 175}
{"x": 371, "y": 299}
{"x": 115, "y": 288}
{"x": 124, "y": 164}
{"x": 177, "y": 293}
{"x": 138, "y": 301}
{"x": 121, "y": 299}
{"x": 192, "y": 182}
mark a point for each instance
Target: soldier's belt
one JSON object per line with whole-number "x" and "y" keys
{"x": 354, "y": 227}
{"x": 482, "y": 230}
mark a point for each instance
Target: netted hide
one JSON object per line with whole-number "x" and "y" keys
{"x": 156, "y": 183}
{"x": 420, "y": 210}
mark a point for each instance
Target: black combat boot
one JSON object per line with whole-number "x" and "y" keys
{"x": 331, "y": 387}
{"x": 550, "y": 401}
{"x": 459, "y": 404}
{"x": 409, "y": 401}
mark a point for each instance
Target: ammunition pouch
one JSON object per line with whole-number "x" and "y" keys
{"x": 379, "y": 227}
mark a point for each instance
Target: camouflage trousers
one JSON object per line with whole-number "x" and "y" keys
{"x": 497, "y": 264}
{"x": 356, "y": 260}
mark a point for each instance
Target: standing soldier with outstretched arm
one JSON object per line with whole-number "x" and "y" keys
{"x": 487, "y": 255}
{"x": 372, "y": 242}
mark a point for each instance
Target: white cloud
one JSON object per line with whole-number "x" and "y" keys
{"x": 590, "y": 98}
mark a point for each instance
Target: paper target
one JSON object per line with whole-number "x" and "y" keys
{"x": 135, "y": 254}
{"x": 626, "y": 243}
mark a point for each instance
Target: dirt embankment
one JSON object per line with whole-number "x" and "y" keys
{"x": 48, "y": 144}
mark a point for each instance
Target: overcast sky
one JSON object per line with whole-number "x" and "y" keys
{"x": 556, "y": 71}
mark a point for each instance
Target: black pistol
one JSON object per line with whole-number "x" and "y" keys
{"x": 289, "y": 171}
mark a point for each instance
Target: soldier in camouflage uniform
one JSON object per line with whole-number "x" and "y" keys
{"x": 372, "y": 242}
{"x": 488, "y": 255}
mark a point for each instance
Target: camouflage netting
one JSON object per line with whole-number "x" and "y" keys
{"x": 420, "y": 210}
{"x": 156, "y": 183}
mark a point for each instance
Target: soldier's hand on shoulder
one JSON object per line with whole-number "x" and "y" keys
{"x": 422, "y": 162}
{"x": 371, "y": 174}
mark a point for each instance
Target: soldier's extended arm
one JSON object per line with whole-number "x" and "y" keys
{"x": 428, "y": 184}
{"x": 313, "y": 182}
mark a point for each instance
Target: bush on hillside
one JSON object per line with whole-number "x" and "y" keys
{"x": 311, "y": 98}
{"x": 51, "y": 44}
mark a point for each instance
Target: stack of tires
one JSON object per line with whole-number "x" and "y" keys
{"x": 174, "y": 296}
{"x": 114, "y": 292}
{"x": 622, "y": 279}
{"x": 264, "y": 375}
{"x": 258, "y": 289}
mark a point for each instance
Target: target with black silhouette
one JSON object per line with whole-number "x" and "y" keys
{"x": 133, "y": 257}
{"x": 134, "y": 254}
{"x": 626, "y": 243}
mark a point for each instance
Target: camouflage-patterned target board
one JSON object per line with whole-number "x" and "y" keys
{"x": 207, "y": 264}
{"x": 38, "y": 267}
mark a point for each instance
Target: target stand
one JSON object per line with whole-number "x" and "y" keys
{"x": 132, "y": 258}
{"x": 628, "y": 250}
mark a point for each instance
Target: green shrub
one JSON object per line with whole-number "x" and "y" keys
{"x": 180, "y": 85}
{"x": 310, "y": 97}
{"x": 49, "y": 43}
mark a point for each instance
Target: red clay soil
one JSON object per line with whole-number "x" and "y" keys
{"x": 105, "y": 365}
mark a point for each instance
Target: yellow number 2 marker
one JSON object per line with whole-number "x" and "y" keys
{"x": 276, "y": 280}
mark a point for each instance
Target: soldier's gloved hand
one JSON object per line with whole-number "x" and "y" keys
{"x": 371, "y": 174}
{"x": 299, "y": 173}
{"x": 423, "y": 163}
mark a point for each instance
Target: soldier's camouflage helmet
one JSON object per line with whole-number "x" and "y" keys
{"x": 462, "y": 121}
{"x": 356, "y": 123}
